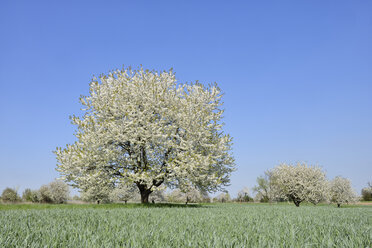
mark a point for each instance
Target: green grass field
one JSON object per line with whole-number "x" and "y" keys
{"x": 167, "y": 225}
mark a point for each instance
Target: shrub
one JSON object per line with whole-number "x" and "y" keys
{"x": 35, "y": 196}
{"x": 263, "y": 189}
{"x": 243, "y": 195}
{"x": 366, "y": 194}
{"x": 54, "y": 192}
{"x": 59, "y": 191}
{"x": 27, "y": 195}
{"x": 44, "y": 194}
{"x": 10, "y": 195}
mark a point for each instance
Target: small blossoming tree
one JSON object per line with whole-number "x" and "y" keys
{"x": 299, "y": 183}
{"x": 123, "y": 193}
{"x": 341, "y": 191}
{"x": 186, "y": 195}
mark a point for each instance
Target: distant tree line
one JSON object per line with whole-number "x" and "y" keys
{"x": 296, "y": 183}
{"x": 56, "y": 192}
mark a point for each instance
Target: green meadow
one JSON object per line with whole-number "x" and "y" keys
{"x": 173, "y": 225}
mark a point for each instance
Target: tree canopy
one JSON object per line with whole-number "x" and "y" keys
{"x": 143, "y": 127}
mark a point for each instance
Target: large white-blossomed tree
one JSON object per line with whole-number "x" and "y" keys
{"x": 144, "y": 127}
{"x": 299, "y": 183}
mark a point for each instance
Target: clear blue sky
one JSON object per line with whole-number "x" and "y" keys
{"x": 297, "y": 76}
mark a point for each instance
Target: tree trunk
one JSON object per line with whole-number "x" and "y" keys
{"x": 145, "y": 193}
{"x": 297, "y": 203}
{"x": 295, "y": 200}
{"x": 145, "y": 196}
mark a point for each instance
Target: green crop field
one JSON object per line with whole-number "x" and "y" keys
{"x": 221, "y": 225}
